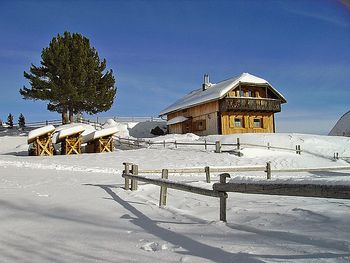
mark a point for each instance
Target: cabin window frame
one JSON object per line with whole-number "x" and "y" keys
{"x": 259, "y": 120}
{"x": 232, "y": 121}
{"x": 200, "y": 125}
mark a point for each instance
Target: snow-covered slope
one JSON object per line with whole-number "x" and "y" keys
{"x": 74, "y": 209}
{"x": 342, "y": 127}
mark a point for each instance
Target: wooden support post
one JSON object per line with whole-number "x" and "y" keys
{"x": 134, "y": 171}
{"x": 299, "y": 149}
{"x": 238, "y": 144}
{"x": 205, "y": 144}
{"x": 126, "y": 171}
{"x": 223, "y": 199}
{"x": 218, "y": 147}
{"x": 163, "y": 189}
{"x": 268, "y": 170}
{"x": 207, "y": 173}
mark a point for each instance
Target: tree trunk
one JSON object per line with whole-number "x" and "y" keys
{"x": 64, "y": 116}
{"x": 71, "y": 116}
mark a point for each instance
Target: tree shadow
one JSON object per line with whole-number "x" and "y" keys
{"x": 193, "y": 247}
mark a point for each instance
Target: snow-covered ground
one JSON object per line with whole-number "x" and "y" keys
{"x": 74, "y": 209}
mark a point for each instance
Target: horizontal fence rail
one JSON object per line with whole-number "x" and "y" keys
{"x": 212, "y": 169}
{"x": 175, "y": 185}
{"x": 305, "y": 190}
{"x": 222, "y": 188}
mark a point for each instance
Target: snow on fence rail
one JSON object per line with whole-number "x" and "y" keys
{"x": 220, "y": 189}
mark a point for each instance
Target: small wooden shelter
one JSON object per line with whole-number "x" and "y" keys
{"x": 100, "y": 141}
{"x": 71, "y": 139}
{"x": 237, "y": 105}
{"x": 41, "y": 140}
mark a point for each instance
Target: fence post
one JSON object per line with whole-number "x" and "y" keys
{"x": 205, "y": 144}
{"x": 126, "y": 171}
{"x": 163, "y": 189}
{"x": 223, "y": 198}
{"x": 175, "y": 145}
{"x": 134, "y": 171}
{"x": 299, "y": 149}
{"x": 207, "y": 173}
{"x": 218, "y": 147}
{"x": 164, "y": 143}
{"x": 238, "y": 144}
{"x": 337, "y": 156}
{"x": 268, "y": 146}
{"x": 296, "y": 149}
{"x": 268, "y": 170}
{"x": 47, "y": 123}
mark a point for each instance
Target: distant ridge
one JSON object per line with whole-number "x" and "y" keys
{"x": 342, "y": 127}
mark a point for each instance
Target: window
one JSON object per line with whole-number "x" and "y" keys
{"x": 257, "y": 123}
{"x": 238, "y": 122}
{"x": 200, "y": 125}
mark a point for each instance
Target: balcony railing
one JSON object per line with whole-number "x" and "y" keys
{"x": 250, "y": 104}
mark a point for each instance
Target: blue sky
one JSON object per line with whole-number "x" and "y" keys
{"x": 159, "y": 51}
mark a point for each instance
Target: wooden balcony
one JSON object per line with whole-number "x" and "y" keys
{"x": 249, "y": 104}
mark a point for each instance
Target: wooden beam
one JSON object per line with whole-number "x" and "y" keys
{"x": 305, "y": 190}
{"x": 176, "y": 185}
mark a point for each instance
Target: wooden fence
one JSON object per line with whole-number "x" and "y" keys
{"x": 131, "y": 174}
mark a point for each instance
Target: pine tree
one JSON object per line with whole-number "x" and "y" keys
{"x": 21, "y": 121}
{"x": 10, "y": 121}
{"x": 71, "y": 77}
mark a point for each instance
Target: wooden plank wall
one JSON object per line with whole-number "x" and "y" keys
{"x": 227, "y": 120}
{"x": 207, "y": 112}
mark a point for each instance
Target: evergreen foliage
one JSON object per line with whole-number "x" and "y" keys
{"x": 71, "y": 77}
{"x": 10, "y": 121}
{"x": 21, "y": 121}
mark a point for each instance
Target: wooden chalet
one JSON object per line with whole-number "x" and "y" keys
{"x": 244, "y": 104}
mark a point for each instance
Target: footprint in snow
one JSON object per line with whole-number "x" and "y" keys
{"x": 154, "y": 246}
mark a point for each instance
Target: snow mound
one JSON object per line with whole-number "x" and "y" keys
{"x": 342, "y": 127}
{"x": 109, "y": 123}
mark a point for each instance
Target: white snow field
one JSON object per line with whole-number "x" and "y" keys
{"x": 74, "y": 209}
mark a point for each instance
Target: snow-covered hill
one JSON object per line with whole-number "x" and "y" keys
{"x": 342, "y": 127}
{"x": 74, "y": 209}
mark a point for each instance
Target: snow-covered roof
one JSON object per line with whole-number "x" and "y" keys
{"x": 39, "y": 132}
{"x": 342, "y": 127}
{"x": 217, "y": 91}
{"x": 98, "y": 134}
{"x": 70, "y": 131}
{"x": 177, "y": 119}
